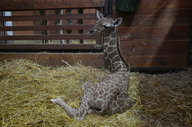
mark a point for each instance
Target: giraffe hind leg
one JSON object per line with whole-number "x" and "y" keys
{"x": 120, "y": 105}
{"x": 126, "y": 104}
{"x": 73, "y": 113}
{"x": 67, "y": 108}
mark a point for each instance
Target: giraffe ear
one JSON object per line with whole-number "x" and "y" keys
{"x": 117, "y": 21}
{"x": 99, "y": 14}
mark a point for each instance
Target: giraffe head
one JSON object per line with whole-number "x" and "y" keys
{"x": 104, "y": 24}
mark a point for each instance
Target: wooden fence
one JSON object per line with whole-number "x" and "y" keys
{"x": 36, "y": 20}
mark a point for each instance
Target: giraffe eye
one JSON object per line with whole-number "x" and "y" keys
{"x": 106, "y": 27}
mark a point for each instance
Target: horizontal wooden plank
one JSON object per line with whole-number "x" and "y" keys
{"x": 47, "y": 17}
{"x": 54, "y": 59}
{"x": 165, "y": 17}
{"x": 46, "y": 37}
{"x": 97, "y": 59}
{"x": 141, "y": 47}
{"x": 175, "y": 32}
{"x": 49, "y": 4}
{"x": 156, "y": 60}
{"x": 47, "y": 27}
{"x": 164, "y": 11}
{"x": 51, "y": 47}
{"x": 154, "y": 43}
{"x": 157, "y": 4}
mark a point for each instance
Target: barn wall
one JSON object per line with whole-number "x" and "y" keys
{"x": 1, "y": 33}
{"x": 157, "y": 34}
{"x": 190, "y": 47}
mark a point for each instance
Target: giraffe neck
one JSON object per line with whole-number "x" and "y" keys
{"x": 113, "y": 58}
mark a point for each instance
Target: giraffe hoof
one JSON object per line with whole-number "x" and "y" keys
{"x": 56, "y": 100}
{"x": 52, "y": 100}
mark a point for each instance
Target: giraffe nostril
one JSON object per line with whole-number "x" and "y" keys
{"x": 90, "y": 32}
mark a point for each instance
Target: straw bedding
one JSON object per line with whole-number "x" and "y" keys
{"x": 26, "y": 89}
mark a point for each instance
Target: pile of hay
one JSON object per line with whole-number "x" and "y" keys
{"x": 26, "y": 89}
{"x": 167, "y": 98}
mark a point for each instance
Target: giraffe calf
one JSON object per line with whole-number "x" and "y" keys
{"x": 110, "y": 95}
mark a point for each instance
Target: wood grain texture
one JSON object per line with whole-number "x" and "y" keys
{"x": 155, "y": 17}
{"x": 46, "y": 17}
{"x": 156, "y": 60}
{"x": 47, "y": 27}
{"x": 51, "y": 48}
{"x": 141, "y": 47}
{"x": 97, "y": 59}
{"x": 48, "y": 4}
{"x": 154, "y": 4}
{"x": 175, "y": 32}
{"x": 157, "y": 34}
{"x": 46, "y": 37}
{"x": 54, "y": 59}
